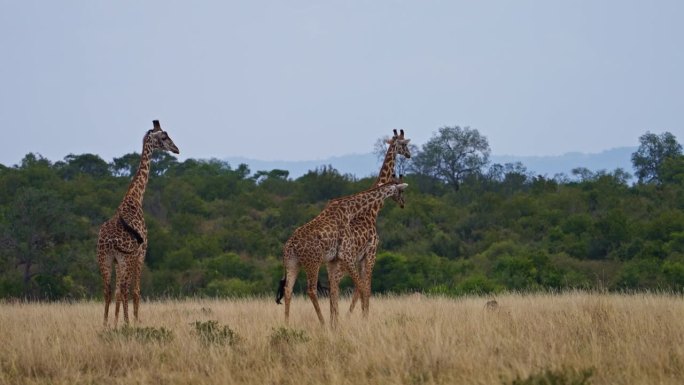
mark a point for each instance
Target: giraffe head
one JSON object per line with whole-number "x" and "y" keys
{"x": 396, "y": 188}
{"x": 160, "y": 139}
{"x": 399, "y": 195}
{"x": 400, "y": 144}
{"x": 400, "y": 186}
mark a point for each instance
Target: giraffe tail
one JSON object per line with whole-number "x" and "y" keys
{"x": 281, "y": 291}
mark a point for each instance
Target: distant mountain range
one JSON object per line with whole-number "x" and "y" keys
{"x": 362, "y": 165}
{"x": 549, "y": 166}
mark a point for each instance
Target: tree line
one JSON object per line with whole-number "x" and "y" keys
{"x": 468, "y": 226}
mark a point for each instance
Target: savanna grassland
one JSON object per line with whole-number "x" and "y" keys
{"x": 526, "y": 339}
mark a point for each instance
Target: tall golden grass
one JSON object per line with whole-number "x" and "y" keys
{"x": 609, "y": 339}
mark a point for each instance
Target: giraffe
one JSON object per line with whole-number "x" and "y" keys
{"x": 363, "y": 227}
{"x": 123, "y": 238}
{"x": 327, "y": 238}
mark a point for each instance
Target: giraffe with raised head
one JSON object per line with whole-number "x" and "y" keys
{"x": 363, "y": 227}
{"x": 122, "y": 239}
{"x": 327, "y": 238}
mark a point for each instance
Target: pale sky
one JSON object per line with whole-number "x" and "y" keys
{"x": 303, "y": 80}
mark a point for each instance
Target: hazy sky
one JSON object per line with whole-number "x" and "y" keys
{"x": 300, "y": 80}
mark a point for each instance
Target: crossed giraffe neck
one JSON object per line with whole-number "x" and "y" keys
{"x": 365, "y": 236}
{"x": 326, "y": 238}
{"x": 369, "y": 200}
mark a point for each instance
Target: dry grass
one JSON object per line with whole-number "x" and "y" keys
{"x": 550, "y": 339}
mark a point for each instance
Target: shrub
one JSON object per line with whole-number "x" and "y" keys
{"x": 141, "y": 334}
{"x": 557, "y": 377}
{"x": 283, "y": 335}
{"x": 478, "y": 284}
{"x": 210, "y": 332}
{"x": 231, "y": 287}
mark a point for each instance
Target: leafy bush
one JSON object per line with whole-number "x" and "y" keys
{"x": 557, "y": 377}
{"x": 516, "y": 272}
{"x": 233, "y": 287}
{"x": 639, "y": 274}
{"x": 141, "y": 334}
{"x": 478, "y": 284}
{"x": 211, "y": 333}
{"x": 285, "y": 336}
{"x": 674, "y": 274}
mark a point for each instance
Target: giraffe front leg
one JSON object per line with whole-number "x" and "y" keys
{"x": 105, "y": 271}
{"x": 350, "y": 267}
{"x": 334, "y": 277}
{"x": 136, "y": 281}
{"x": 117, "y": 294}
{"x": 367, "y": 275}
{"x": 366, "y": 288}
{"x": 359, "y": 289}
{"x": 135, "y": 293}
{"x": 123, "y": 280}
{"x": 355, "y": 296}
{"x": 124, "y": 300}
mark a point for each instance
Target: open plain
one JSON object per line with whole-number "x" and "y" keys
{"x": 578, "y": 338}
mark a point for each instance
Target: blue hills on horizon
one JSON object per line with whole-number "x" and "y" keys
{"x": 364, "y": 165}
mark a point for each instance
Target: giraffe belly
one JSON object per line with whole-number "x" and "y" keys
{"x": 330, "y": 254}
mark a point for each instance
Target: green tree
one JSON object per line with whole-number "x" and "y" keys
{"x": 652, "y": 153}
{"x": 323, "y": 183}
{"x": 88, "y": 164}
{"x": 162, "y": 161}
{"x": 452, "y": 155}
{"x": 125, "y": 165}
{"x": 37, "y": 226}
{"x": 672, "y": 170}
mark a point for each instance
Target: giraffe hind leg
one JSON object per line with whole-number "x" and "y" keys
{"x": 281, "y": 290}
{"x": 290, "y": 279}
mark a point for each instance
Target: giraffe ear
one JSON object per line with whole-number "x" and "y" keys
{"x": 156, "y": 125}
{"x": 402, "y": 186}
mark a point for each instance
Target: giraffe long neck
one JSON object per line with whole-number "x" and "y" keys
{"x": 387, "y": 168}
{"x": 136, "y": 189}
{"x": 369, "y": 201}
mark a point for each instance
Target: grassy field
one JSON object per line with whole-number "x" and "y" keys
{"x": 527, "y": 339}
